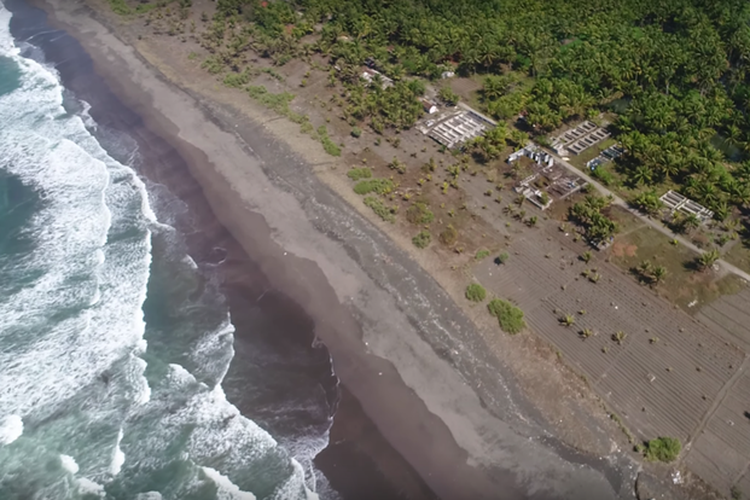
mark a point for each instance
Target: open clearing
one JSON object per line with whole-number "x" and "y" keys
{"x": 682, "y": 285}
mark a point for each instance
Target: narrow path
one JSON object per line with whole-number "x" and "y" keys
{"x": 647, "y": 220}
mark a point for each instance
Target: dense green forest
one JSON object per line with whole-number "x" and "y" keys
{"x": 678, "y": 70}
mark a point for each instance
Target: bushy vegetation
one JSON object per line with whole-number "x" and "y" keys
{"x": 675, "y": 73}
{"x": 476, "y": 292}
{"x": 236, "y": 80}
{"x": 329, "y": 146}
{"x": 422, "y": 239}
{"x": 377, "y": 206}
{"x": 663, "y": 449}
{"x": 376, "y": 185}
{"x": 357, "y": 174}
{"x": 509, "y": 316}
{"x": 502, "y": 258}
{"x": 120, "y": 7}
{"x": 419, "y": 213}
{"x": 449, "y": 235}
{"x": 276, "y": 102}
{"x": 481, "y": 254}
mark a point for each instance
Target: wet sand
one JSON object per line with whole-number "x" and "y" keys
{"x": 407, "y": 354}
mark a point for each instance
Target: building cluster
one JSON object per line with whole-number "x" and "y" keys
{"x": 454, "y": 126}
{"x": 580, "y": 138}
{"x": 369, "y": 75}
{"x": 605, "y": 156}
{"x": 557, "y": 181}
{"x": 676, "y": 202}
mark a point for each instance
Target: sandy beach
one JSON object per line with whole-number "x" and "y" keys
{"x": 433, "y": 398}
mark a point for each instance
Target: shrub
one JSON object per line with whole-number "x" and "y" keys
{"x": 449, "y": 235}
{"x": 502, "y": 258}
{"x": 213, "y": 65}
{"x": 603, "y": 175}
{"x": 380, "y": 209}
{"x": 377, "y": 185}
{"x": 422, "y": 239}
{"x": 237, "y": 80}
{"x": 663, "y": 449}
{"x": 509, "y": 316}
{"x": 357, "y": 174}
{"x": 356, "y": 132}
{"x": 447, "y": 95}
{"x": 481, "y": 254}
{"x": 276, "y": 102}
{"x": 120, "y": 7}
{"x": 329, "y": 146}
{"x": 475, "y": 292}
{"x": 418, "y": 213}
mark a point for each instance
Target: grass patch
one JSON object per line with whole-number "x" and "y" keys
{"x": 143, "y": 8}
{"x": 739, "y": 255}
{"x": 357, "y": 174}
{"x": 330, "y": 147}
{"x": 509, "y": 316}
{"x": 120, "y": 7}
{"x": 382, "y": 211}
{"x": 663, "y": 449}
{"x": 276, "y": 102}
{"x": 481, "y": 254}
{"x": 422, "y": 239}
{"x": 377, "y": 185}
{"x": 237, "y": 80}
{"x": 476, "y": 292}
{"x": 682, "y": 285}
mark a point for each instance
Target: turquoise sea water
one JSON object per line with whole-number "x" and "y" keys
{"x": 113, "y": 345}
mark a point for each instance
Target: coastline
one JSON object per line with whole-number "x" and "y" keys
{"x": 276, "y": 208}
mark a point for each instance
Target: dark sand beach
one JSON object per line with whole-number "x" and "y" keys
{"x": 423, "y": 411}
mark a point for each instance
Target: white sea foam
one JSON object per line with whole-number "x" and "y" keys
{"x": 86, "y": 194}
{"x": 11, "y": 428}
{"x": 69, "y": 464}
{"x": 89, "y": 487}
{"x": 227, "y": 490}
{"x": 149, "y": 495}
{"x": 92, "y": 257}
{"x": 118, "y": 457}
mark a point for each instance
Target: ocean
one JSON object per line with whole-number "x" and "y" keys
{"x": 120, "y": 375}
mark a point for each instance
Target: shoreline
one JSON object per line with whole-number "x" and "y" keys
{"x": 467, "y": 414}
{"x": 245, "y": 288}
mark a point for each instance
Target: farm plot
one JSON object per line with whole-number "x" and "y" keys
{"x": 721, "y": 453}
{"x": 666, "y": 370}
{"x": 532, "y": 272}
{"x": 660, "y": 378}
{"x": 729, "y": 315}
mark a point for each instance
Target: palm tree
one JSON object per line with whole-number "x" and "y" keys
{"x": 690, "y": 222}
{"x": 619, "y": 337}
{"x": 567, "y": 320}
{"x": 642, "y": 175}
{"x": 659, "y": 273}
{"x": 586, "y": 333}
{"x": 646, "y": 268}
{"x": 707, "y": 259}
